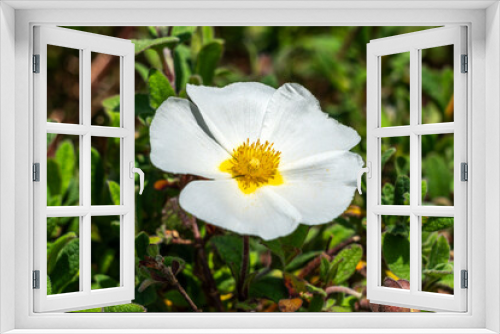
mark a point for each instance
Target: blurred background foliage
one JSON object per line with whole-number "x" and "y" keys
{"x": 186, "y": 265}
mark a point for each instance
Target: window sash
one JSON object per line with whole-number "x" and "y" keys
{"x": 86, "y": 43}
{"x": 413, "y": 43}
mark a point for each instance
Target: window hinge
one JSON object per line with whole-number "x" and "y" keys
{"x": 36, "y": 279}
{"x": 464, "y": 279}
{"x": 464, "y": 173}
{"x": 36, "y": 172}
{"x": 36, "y": 63}
{"x": 465, "y": 64}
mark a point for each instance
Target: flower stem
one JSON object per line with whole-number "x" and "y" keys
{"x": 344, "y": 289}
{"x": 242, "y": 293}
{"x": 167, "y": 271}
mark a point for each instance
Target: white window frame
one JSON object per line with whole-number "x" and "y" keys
{"x": 483, "y": 20}
{"x": 86, "y": 43}
{"x": 414, "y": 43}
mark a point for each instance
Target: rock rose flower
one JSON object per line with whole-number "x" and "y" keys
{"x": 272, "y": 158}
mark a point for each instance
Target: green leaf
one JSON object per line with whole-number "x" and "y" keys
{"x": 388, "y": 194}
{"x": 96, "y": 175}
{"x": 141, "y": 244}
{"x": 346, "y": 261}
{"x": 56, "y": 247}
{"x": 301, "y": 260}
{"x": 195, "y": 80}
{"x": 67, "y": 266}
{"x": 424, "y": 189}
{"x": 437, "y": 223}
{"x": 183, "y": 33}
{"x": 54, "y": 179}
{"x": 402, "y": 187}
{"x": 104, "y": 281}
{"x": 288, "y": 247}
{"x": 296, "y": 238}
{"x": 126, "y": 308}
{"x": 142, "y": 70}
{"x": 316, "y": 304}
{"x": 159, "y": 88}
{"x": 386, "y": 156}
{"x": 441, "y": 270}
{"x": 438, "y": 176}
{"x": 230, "y": 249}
{"x": 182, "y": 68}
{"x": 90, "y": 310}
{"x": 324, "y": 267}
{"x": 153, "y": 250}
{"x": 396, "y": 251}
{"x": 158, "y": 43}
{"x": 142, "y": 106}
{"x": 440, "y": 253}
{"x": 65, "y": 157}
{"x": 112, "y": 103}
{"x": 145, "y": 297}
{"x": 268, "y": 287}
{"x": 49, "y": 286}
{"x": 207, "y": 60}
{"x": 208, "y": 34}
{"x": 114, "y": 190}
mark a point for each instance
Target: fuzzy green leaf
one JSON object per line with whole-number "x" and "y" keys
{"x": 207, "y": 60}
{"x": 345, "y": 263}
{"x": 272, "y": 288}
{"x": 182, "y": 68}
{"x": 440, "y": 253}
{"x": 56, "y": 248}
{"x": 65, "y": 157}
{"x": 126, "y": 308}
{"x": 402, "y": 187}
{"x": 67, "y": 266}
{"x": 159, "y": 43}
{"x": 230, "y": 249}
{"x": 437, "y": 223}
{"x": 386, "y": 156}
{"x": 438, "y": 176}
{"x": 159, "y": 88}
{"x": 54, "y": 179}
{"x": 396, "y": 251}
{"x": 114, "y": 191}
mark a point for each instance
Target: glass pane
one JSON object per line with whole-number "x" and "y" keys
{"x": 63, "y": 153}
{"x": 437, "y": 254}
{"x": 63, "y": 85}
{"x": 395, "y": 89}
{"x": 437, "y": 169}
{"x": 395, "y": 167}
{"x": 105, "y": 171}
{"x": 63, "y": 255}
{"x": 105, "y": 253}
{"x": 105, "y": 89}
{"x": 437, "y": 84}
{"x": 395, "y": 251}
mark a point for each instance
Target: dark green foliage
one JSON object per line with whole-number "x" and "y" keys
{"x": 268, "y": 287}
{"x": 159, "y": 88}
{"x": 396, "y": 252}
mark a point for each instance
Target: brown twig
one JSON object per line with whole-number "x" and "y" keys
{"x": 169, "y": 275}
{"x": 311, "y": 266}
{"x": 343, "y": 289}
{"x": 244, "y": 268}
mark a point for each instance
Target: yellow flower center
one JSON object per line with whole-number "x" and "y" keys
{"x": 253, "y": 166}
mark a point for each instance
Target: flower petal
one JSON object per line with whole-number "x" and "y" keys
{"x": 179, "y": 145}
{"x": 221, "y": 203}
{"x": 321, "y": 187}
{"x": 298, "y": 128}
{"x": 233, "y": 113}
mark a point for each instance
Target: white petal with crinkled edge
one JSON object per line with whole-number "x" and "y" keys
{"x": 341, "y": 166}
{"x": 221, "y": 203}
{"x": 298, "y": 128}
{"x": 232, "y": 113}
{"x": 179, "y": 145}
{"x": 321, "y": 187}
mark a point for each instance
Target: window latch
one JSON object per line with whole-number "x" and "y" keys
{"x": 139, "y": 171}
{"x": 36, "y": 279}
{"x": 368, "y": 171}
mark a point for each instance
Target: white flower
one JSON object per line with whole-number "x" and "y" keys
{"x": 274, "y": 159}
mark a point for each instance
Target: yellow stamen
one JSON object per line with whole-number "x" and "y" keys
{"x": 253, "y": 166}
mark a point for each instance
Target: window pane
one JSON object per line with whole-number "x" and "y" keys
{"x": 395, "y": 89}
{"x": 437, "y": 84}
{"x": 105, "y": 253}
{"x": 105, "y": 171}
{"x": 63, "y": 255}
{"x": 63, "y": 85}
{"x": 63, "y": 152}
{"x": 437, "y": 254}
{"x": 105, "y": 90}
{"x": 395, "y": 251}
{"x": 395, "y": 167}
{"x": 437, "y": 169}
